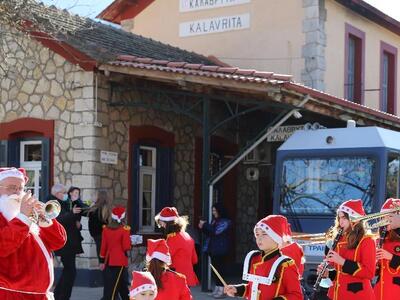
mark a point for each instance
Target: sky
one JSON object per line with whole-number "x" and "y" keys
{"x": 91, "y": 8}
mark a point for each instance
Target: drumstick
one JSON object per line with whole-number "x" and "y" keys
{"x": 218, "y": 275}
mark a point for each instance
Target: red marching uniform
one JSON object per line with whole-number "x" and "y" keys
{"x": 114, "y": 244}
{"x": 284, "y": 282}
{"x": 388, "y": 284}
{"x": 183, "y": 255}
{"x": 174, "y": 287}
{"x": 295, "y": 252}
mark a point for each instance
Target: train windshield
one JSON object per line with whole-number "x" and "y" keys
{"x": 317, "y": 186}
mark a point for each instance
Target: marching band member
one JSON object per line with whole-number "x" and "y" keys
{"x": 26, "y": 261}
{"x": 388, "y": 284}
{"x": 293, "y": 249}
{"x": 353, "y": 257}
{"x": 115, "y": 243}
{"x": 170, "y": 284}
{"x": 143, "y": 286}
{"x": 271, "y": 275}
{"x": 180, "y": 243}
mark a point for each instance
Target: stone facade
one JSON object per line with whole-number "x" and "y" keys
{"x": 313, "y": 51}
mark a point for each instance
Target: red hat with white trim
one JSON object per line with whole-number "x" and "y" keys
{"x": 158, "y": 249}
{"x": 118, "y": 213}
{"x": 14, "y": 173}
{"x": 141, "y": 282}
{"x": 168, "y": 214}
{"x": 390, "y": 204}
{"x": 275, "y": 226}
{"x": 354, "y": 208}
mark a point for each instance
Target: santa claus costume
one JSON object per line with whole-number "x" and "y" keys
{"x": 142, "y": 283}
{"x": 180, "y": 243}
{"x": 26, "y": 262}
{"x": 170, "y": 284}
{"x": 270, "y": 275}
{"x": 388, "y": 281}
{"x": 352, "y": 278}
{"x": 115, "y": 243}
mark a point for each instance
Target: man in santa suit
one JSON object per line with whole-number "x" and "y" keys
{"x": 26, "y": 262}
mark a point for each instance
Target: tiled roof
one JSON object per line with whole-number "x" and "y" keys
{"x": 253, "y": 76}
{"x": 231, "y": 73}
{"x": 103, "y": 42}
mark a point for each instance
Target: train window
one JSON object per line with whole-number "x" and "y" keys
{"x": 392, "y": 180}
{"x": 315, "y": 186}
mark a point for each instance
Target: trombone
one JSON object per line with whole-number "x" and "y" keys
{"x": 375, "y": 220}
{"x": 309, "y": 239}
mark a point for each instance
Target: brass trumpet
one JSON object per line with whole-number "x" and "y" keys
{"x": 375, "y": 220}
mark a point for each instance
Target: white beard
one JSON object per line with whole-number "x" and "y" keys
{"x": 9, "y": 207}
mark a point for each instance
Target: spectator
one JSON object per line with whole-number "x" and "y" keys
{"x": 180, "y": 243}
{"x": 69, "y": 217}
{"x": 217, "y": 243}
{"x": 115, "y": 243}
{"x": 99, "y": 215}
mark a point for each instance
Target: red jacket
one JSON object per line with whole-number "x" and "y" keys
{"x": 295, "y": 252}
{"x": 183, "y": 255}
{"x": 26, "y": 262}
{"x": 285, "y": 281}
{"x": 174, "y": 287}
{"x": 388, "y": 285}
{"x": 353, "y": 279}
{"x": 114, "y": 244}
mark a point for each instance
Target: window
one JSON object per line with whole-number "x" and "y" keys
{"x": 354, "y": 64}
{"x": 392, "y": 177}
{"x": 318, "y": 185}
{"x": 31, "y": 160}
{"x": 147, "y": 188}
{"x": 388, "y": 78}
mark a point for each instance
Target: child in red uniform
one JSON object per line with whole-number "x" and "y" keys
{"x": 271, "y": 275}
{"x": 181, "y": 245}
{"x": 143, "y": 286}
{"x": 388, "y": 284}
{"x": 293, "y": 249}
{"x": 170, "y": 284}
{"x": 115, "y": 243}
{"x": 353, "y": 257}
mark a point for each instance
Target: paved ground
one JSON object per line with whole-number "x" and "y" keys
{"x": 86, "y": 293}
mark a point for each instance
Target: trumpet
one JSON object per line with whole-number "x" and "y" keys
{"x": 375, "y": 220}
{"x": 51, "y": 210}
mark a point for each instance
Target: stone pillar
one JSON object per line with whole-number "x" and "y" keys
{"x": 313, "y": 51}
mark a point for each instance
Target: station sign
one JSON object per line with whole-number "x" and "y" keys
{"x": 194, "y": 5}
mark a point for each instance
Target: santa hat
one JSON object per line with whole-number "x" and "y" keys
{"x": 354, "y": 208}
{"x": 158, "y": 249}
{"x": 390, "y": 204}
{"x": 167, "y": 214}
{"x": 118, "y": 213}
{"x": 13, "y": 172}
{"x": 141, "y": 282}
{"x": 275, "y": 226}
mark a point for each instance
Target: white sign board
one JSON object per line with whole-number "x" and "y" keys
{"x": 282, "y": 133}
{"x": 193, "y": 5}
{"x": 214, "y": 25}
{"x": 107, "y": 157}
{"x": 314, "y": 250}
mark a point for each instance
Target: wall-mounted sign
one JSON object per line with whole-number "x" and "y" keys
{"x": 193, "y": 5}
{"x": 214, "y": 25}
{"x": 107, "y": 157}
{"x": 282, "y": 133}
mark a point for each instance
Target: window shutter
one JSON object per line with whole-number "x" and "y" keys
{"x": 135, "y": 187}
{"x": 45, "y": 175}
{"x": 13, "y": 153}
{"x": 165, "y": 167}
{"x": 3, "y": 153}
